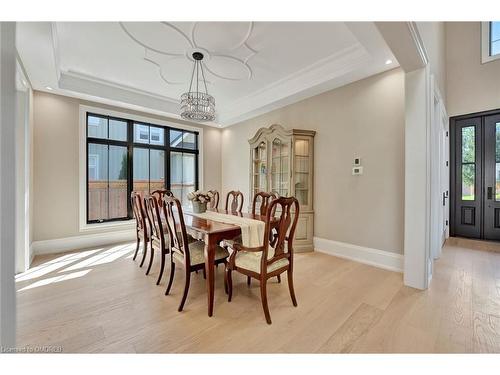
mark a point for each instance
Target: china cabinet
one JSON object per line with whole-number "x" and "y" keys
{"x": 281, "y": 161}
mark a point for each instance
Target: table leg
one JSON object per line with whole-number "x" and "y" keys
{"x": 210, "y": 246}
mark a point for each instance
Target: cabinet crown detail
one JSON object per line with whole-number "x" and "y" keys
{"x": 282, "y": 162}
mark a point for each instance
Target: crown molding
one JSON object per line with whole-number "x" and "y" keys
{"x": 275, "y": 95}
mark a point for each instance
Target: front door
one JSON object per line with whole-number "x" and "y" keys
{"x": 492, "y": 177}
{"x": 475, "y": 176}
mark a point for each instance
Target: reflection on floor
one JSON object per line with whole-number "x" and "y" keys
{"x": 99, "y": 300}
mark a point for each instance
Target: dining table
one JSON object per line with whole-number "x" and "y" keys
{"x": 212, "y": 232}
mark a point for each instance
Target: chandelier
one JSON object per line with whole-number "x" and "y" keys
{"x": 196, "y": 105}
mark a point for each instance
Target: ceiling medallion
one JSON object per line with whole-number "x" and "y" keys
{"x": 196, "y": 105}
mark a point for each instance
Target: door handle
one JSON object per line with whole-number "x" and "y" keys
{"x": 490, "y": 192}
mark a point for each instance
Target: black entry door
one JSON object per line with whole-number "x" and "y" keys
{"x": 492, "y": 177}
{"x": 466, "y": 177}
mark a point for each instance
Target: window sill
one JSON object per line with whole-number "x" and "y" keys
{"x": 102, "y": 227}
{"x": 487, "y": 59}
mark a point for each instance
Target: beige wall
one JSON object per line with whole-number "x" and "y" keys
{"x": 56, "y": 163}
{"x": 364, "y": 119}
{"x": 471, "y": 86}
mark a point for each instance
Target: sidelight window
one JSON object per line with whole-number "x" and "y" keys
{"x": 468, "y": 162}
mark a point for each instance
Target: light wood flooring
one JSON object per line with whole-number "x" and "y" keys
{"x": 99, "y": 300}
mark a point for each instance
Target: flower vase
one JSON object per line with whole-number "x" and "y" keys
{"x": 199, "y": 207}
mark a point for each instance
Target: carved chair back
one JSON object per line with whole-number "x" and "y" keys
{"x": 176, "y": 227}
{"x": 284, "y": 230}
{"x": 153, "y": 211}
{"x": 214, "y": 202}
{"x": 139, "y": 211}
{"x": 236, "y": 198}
{"x": 264, "y": 199}
{"x": 160, "y": 193}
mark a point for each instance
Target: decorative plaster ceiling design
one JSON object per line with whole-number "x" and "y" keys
{"x": 222, "y": 61}
{"x": 252, "y": 67}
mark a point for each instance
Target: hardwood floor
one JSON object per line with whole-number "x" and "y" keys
{"x": 99, "y": 300}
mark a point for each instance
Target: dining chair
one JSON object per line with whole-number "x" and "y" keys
{"x": 142, "y": 224}
{"x": 190, "y": 255}
{"x": 267, "y": 261}
{"x": 160, "y": 193}
{"x": 158, "y": 236}
{"x": 262, "y": 199}
{"x": 236, "y": 198}
{"x": 214, "y": 202}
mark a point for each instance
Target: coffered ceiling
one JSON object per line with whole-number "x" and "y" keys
{"x": 251, "y": 67}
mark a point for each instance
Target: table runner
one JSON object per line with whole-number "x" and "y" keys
{"x": 252, "y": 231}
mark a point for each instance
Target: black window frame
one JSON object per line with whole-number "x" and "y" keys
{"x": 130, "y": 144}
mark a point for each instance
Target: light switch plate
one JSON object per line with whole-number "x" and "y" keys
{"x": 357, "y": 171}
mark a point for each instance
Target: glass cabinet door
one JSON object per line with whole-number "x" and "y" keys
{"x": 280, "y": 167}
{"x": 259, "y": 168}
{"x": 302, "y": 171}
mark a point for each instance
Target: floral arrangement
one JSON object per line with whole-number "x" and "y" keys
{"x": 200, "y": 196}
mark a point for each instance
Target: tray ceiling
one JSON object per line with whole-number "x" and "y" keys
{"x": 251, "y": 67}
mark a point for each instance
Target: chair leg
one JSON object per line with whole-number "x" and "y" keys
{"x": 290, "y": 287}
{"x": 279, "y": 278}
{"x": 144, "y": 252}
{"x": 229, "y": 279}
{"x": 249, "y": 280}
{"x": 163, "y": 255}
{"x": 150, "y": 259}
{"x": 263, "y": 296}
{"x": 137, "y": 248}
{"x": 186, "y": 289}
{"x": 172, "y": 271}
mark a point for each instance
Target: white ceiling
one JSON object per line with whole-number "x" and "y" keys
{"x": 251, "y": 67}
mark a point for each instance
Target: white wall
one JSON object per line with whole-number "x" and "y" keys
{"x": 56, "y": 164}
{"x": 433, "y": 35}
{"x": 364, "y": 119}
{"x": 7, "y": 183}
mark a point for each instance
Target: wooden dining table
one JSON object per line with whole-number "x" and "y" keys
{"x": 212, "y": 233}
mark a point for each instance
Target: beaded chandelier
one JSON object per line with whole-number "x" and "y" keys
{"x": 196, "y": 105}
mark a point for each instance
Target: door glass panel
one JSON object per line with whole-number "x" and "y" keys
{"x": 302, "y": 171}
{"x": 468, "y": 162}
{"x": 259, "y": 168}
{"x": 497, "y": 161}
{"x": 468, "y": 144}
{"x": 468, "y": 181}
{"x": 279, "y": 167}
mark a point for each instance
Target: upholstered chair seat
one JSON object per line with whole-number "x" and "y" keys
{"x": 197, "y": 253}
{"x": 251, "y": 261}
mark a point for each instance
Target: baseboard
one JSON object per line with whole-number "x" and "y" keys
{"x": 373, "y": 257}
{"x": 32, "y": 254}
{"x": 60, "y": 245}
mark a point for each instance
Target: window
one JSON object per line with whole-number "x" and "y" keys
{"x": 490, "y": 43}
{"x": 468, "y": 163}
{"x": 125, "y": 155}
